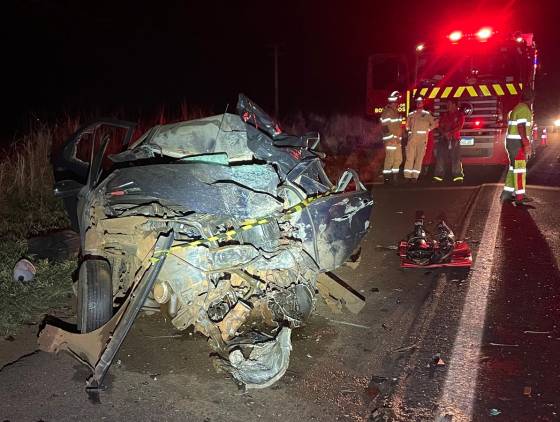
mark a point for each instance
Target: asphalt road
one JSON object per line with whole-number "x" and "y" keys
{"x": 429, "y": 345}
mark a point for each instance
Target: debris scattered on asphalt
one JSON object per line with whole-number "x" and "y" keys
{"x": 309, "y": 356}
{"x": 494, "y": 412}
{"x": 169, "y": 336}
{"x": 536, "y": 332}
{"x": 378, "y": 379}
{"x": 9, "y": 338}
{"x": 374, "y": 290}
{"x": 405, "y": 348}
{"x": 437, "y": 360}
{"x": 400, "y": 212}
{"x": 398, "y": 290}
{"x": 503, "y": 345}
{"x": 388, "y": 247}
{"x": 527, "y": 391}
{"x": 24, "y": 271}
{"x": 348, "y": 323}
{"x": 372, "y": 391}
{"x": 386, "y": 327}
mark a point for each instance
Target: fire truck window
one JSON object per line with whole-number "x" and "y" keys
{"x": 388, "y": 73}
{"x": 457, "y": 69}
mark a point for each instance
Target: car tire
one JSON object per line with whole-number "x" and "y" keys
{"x": 95, "y": 295}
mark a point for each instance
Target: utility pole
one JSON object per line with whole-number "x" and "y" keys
{"x": 276, "y": 93}
{"x": 276, "y": 53}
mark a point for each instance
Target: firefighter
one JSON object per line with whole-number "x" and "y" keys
{"x": 419, "y": 123}
{"x": 391, "y": 129}
{"x": 544, "y": 138}
{"x": 447, "y": 146}
{"x": 518, "y": 147}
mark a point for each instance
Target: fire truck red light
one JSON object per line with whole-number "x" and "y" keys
{"x": 484, "y": 33}
{"x": 477, "y": 122}
{"x": 455, "y": 36}
{"x": 519, "y": 39}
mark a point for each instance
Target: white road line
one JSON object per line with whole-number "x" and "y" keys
{"x": 541, "y": 187}
{"x": 461, "y": 380}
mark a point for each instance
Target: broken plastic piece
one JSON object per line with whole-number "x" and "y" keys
{"x": 266, "y": 363}
{"x": 24, "y": 271}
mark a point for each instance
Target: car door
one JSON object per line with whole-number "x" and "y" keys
{"x": 79, "y": 163}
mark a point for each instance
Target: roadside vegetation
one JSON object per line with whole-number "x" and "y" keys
{"x": 22, "y": 303}
{"x": 27, "y": 208}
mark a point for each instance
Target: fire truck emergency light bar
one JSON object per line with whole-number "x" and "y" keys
{"x": 483, "y": 34}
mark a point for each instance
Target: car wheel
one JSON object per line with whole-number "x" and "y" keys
{"x": 95, "y": 295}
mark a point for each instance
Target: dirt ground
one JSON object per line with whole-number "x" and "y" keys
{"x": 341, "y": 367}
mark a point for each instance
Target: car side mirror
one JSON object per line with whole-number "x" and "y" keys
{"x": 67, "y": 188}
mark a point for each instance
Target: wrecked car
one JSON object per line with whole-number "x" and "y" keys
{"x": 223, "y": 223}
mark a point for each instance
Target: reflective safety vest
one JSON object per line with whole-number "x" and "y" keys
{"x": 420, "y": 122}
{"x": 391, "y": 124}
{"x": 521, "y": 114}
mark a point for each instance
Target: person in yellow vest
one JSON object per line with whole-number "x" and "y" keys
{"x": 391, "y": 131}
{"x": 518, "y": 147}
{"x": 419, "y": 123}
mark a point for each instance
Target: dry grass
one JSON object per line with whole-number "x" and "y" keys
{"x": 25, "y": 302}
{"x": 27, "y": 203}
{"x": 340, "y": 134}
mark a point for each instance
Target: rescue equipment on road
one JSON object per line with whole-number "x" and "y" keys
{"x": 420, "y": 250}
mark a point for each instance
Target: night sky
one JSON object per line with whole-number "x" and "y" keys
{"x": 133, "y": 56}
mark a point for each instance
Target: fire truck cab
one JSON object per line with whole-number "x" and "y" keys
{"x": 484, "y": 71}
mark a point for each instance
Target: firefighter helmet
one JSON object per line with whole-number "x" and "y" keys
{"x": 394, "y": 96}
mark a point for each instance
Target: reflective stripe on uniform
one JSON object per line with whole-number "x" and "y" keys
{"x": 509, "y": 189}
{"x": 421, "y": 132}
{"x": 519, "y": 170}
{"x": 509, "y": 136}
{"x": 387, "y": 171}
{"x": 407, "y": 171}
{"x": 386, "y": 138}
{"x": 520, "y": 191}
{"x": 391, "y": 147}
{"x": 395, "y": 170}
{"x": 415, "y": 171}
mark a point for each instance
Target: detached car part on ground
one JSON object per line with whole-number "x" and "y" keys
{"x": 420, "y": 250}
{"x": 223, "y": 223}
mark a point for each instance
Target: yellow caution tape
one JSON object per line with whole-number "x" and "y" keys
{"x": 245, "y": 225}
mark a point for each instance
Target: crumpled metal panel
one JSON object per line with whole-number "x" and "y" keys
{"x": 332, "y": 227}
{"x": 241, "y": 191}
{"x": 223, "y": 133}
{"x": 266, "y": 364}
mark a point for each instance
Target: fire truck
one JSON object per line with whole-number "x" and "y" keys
{"x": 485, "y": 70}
